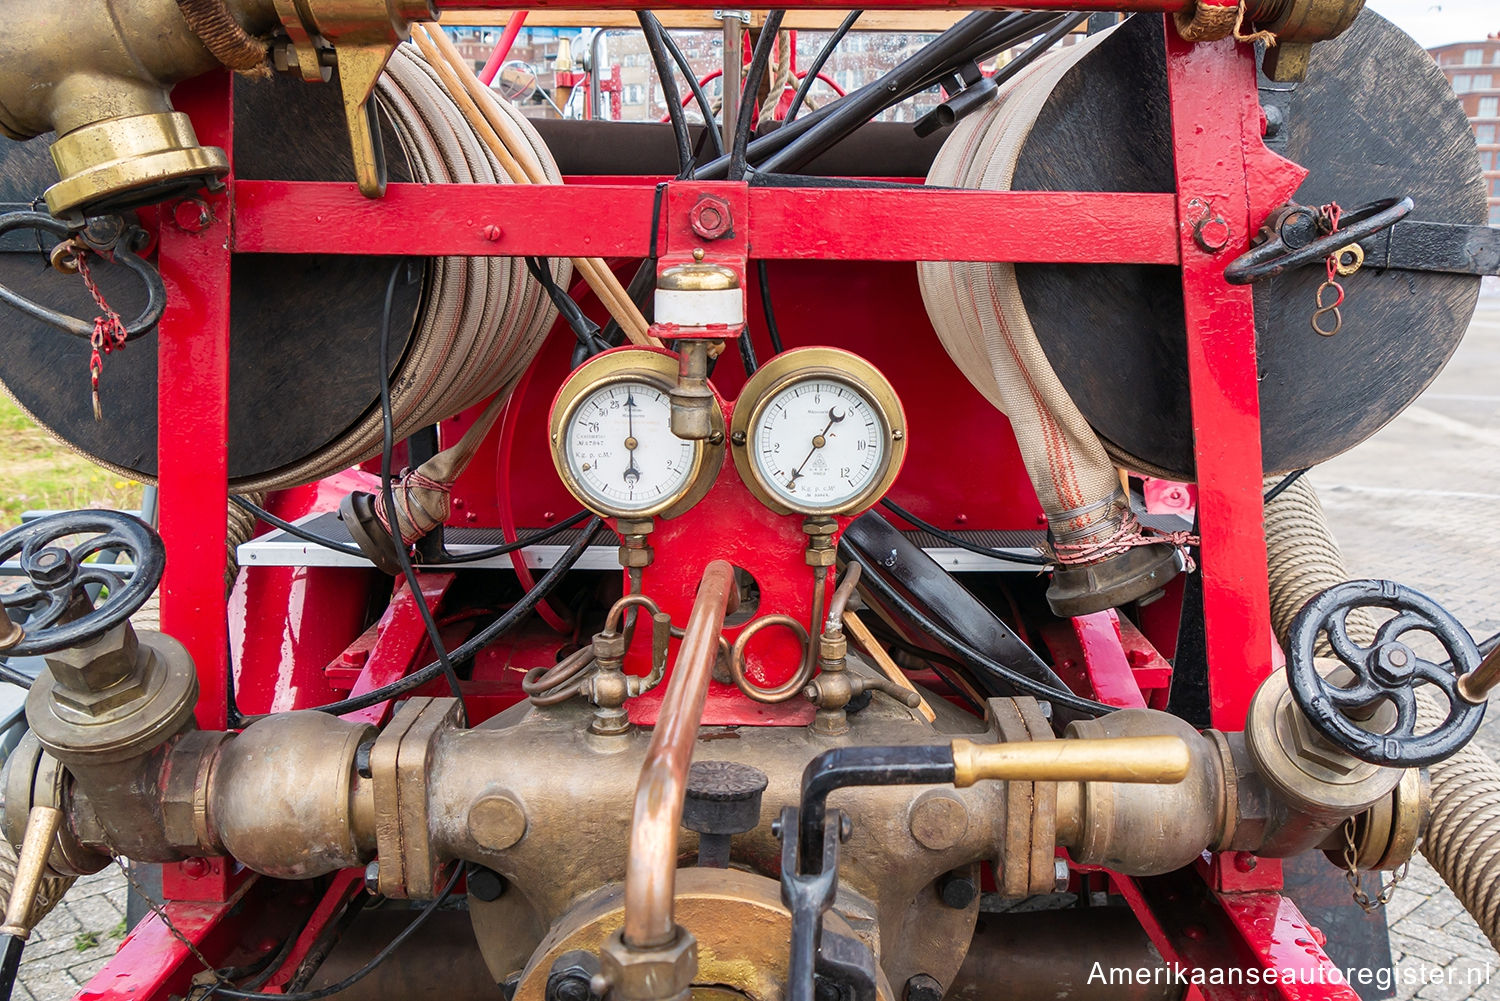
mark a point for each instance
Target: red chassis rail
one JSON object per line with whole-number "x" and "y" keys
{"x": 1222, "y": 164}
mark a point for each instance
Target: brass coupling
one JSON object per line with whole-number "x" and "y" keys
{"x": 99, "y": 74}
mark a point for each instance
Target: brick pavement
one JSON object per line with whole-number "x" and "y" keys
{"x": 1416, "y": 503}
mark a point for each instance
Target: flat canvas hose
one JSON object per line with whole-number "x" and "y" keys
{"x": 977, "y": 310}
{"x": 1463, "y": 834}
{"x": 482, "y": 319}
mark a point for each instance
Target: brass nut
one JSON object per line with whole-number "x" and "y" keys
{"x": 649, "y": 974}
{"x": 497, "y": 821}
{"x": 609, "y": 646}
{"x": 184, "y": 802}
{"x": 939, "y": 820}
{"x": 635, "y": 557}
{"x": 103, "y": 674}
{"x": 822, "y": 557}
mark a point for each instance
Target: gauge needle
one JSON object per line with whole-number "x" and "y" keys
{"x": 819, "y": 440}
{"x": 632, "y": 473}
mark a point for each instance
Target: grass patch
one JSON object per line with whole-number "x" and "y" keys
{"x": 85, "y": 940}
{"x": 36, "y": 472}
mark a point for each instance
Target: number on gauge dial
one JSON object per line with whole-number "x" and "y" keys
{"x": 621, "y": 450}
{"x": 819, "y": 443}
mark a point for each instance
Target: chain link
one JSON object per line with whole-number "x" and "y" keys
{"x": 109, "y": 331}
{"x": 1352, "y": 875}
{"x": 166, "y": 919}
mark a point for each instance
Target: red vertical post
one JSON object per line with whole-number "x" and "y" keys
{"x": 1216, "y": 137}
{"x": 192, "y": 431}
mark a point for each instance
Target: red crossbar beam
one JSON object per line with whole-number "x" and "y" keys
{"x": 1128, "y": 6}
{"x": 614, "y": 220}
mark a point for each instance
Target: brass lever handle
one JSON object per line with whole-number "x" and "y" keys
{"x": 1161, "y": 760}
{"x": 31, "y": 867}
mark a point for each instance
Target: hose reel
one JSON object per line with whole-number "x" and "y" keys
{"x": 304, "y": 330}
{"x": 1096, "y": 118}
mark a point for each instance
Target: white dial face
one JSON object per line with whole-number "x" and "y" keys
{"x": 818, "y": 444}
{"x": 621, "y": 450}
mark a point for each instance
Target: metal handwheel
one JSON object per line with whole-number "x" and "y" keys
{"x": 61, "y": 612}
{"x": 1386, "y": 671}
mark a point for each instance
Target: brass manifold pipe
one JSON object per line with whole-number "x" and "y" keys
{"x": 651, "y": 867}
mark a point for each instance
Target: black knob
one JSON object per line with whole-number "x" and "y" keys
{"x": 723, "y": 799}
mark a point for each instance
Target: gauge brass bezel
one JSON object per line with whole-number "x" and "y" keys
{"x": 656, "y": 368}
{"x": 831, "y": 365}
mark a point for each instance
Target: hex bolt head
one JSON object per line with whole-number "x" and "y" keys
{"x": 923, "y": 987}
{"x": 1060, "y": 875}
{"x": 957, "y": 889}
{"x": 50, "y": 568}
{"x": 485, "y": 884}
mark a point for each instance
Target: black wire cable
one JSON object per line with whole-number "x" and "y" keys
{"x": 585, "y": 329}
{"x": 224, "y": 990}
{"x": 747, "y": 353}
{"x": 652, "y": 29}
{"x": 966, "y": 652}
{"x": 1282, "y": 484}
{"x": 487, "y": 553}
{"x": 290, "y": 529}
{"x": 387, "y": 447}
{"x": 759, "y": 59}
{"x": 522, "y": 608}
{"x": 817, "y": 64}
{"x": 705, "y": 108}
{"x": 926, "y": 526}
{"x": 763, "y": 280}
{"x": 1054, "y": 35}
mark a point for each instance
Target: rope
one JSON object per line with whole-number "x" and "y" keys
{"x": 1130, "y": 536}
{"x": 1209, "y": 22}
{"x": 782, "y": 77}
{"x": 223, "y": 37}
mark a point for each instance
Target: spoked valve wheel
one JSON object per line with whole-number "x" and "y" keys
{"x": 53, "y": 553}
{"x": 1388, "y": 670}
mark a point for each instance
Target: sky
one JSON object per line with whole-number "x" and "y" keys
{"x": 1438, "y": 22}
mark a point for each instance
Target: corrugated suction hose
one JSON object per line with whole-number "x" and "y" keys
{"x": 1463, "y": 834}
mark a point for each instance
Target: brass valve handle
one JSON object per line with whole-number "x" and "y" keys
{"x": 1161, "y": 760}
{"x": 31, "y": 866}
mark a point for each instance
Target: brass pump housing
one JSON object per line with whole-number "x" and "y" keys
{"x": 99, "y": 74}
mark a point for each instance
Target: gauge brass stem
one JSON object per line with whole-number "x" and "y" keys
{"x": 1162, "y": 760}
{"x": 651, "y": 868}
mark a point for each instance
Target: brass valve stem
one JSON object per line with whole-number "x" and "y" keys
{"x": 1162, "y": 760}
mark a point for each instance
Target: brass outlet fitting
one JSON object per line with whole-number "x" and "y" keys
{"x": 99, "y": 72}
{"x": 659, "y": 973}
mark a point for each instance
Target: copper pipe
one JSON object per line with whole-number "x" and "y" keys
{"x": 834, "y": 620}
{"x": 651, "y": 868}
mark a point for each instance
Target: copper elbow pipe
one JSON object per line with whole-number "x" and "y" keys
{"x": 651, "y": 867}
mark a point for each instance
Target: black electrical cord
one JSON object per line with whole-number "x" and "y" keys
{"x": 763, "y": 280}
{"x": 1282, "y": 484}
{"x": 514, "y": 614}
{"x": 290, "y": 529}
{"x": 817, "y": 64}
{"x": 966, "y": 652}
{"x": 487, "y": 553}
{"x": 747, "y": 353}
{"x": 387, "y": 447}
{"x": 652, "y": 29}
{"x": 586, "y": 330}
{"x": 1027, "y": 558}
{"x": 224, "y": 990}
{"x": 760, "y": 58}
{"x": 1054, "y": 35}
{"x": 705, "y": 108}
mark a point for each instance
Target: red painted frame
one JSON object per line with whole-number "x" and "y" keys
{"x": 1219, "y": 159}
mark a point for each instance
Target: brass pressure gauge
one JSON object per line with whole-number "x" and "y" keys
{"x": 612, "y": 441}
{"x": 818, "y": 431}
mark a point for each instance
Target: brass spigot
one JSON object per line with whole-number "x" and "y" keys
{"x": 1157, "y": 760}
{"x": 610, "y": 688}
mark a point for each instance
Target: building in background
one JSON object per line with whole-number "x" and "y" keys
{"x": 1473, "y": 68}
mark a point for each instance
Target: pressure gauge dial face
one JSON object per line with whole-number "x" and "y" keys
{"x": 612, "y": 440}
{"x": 823, "y": 433}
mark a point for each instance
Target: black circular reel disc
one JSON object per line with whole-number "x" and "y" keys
{"x": 1374, "y": 119}
{"x": 304, "y": 329}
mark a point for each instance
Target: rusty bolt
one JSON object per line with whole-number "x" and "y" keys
{"x": 711, "y": 217}
{"x": 192, "y": 215}
{"x": 493, "y": 233}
